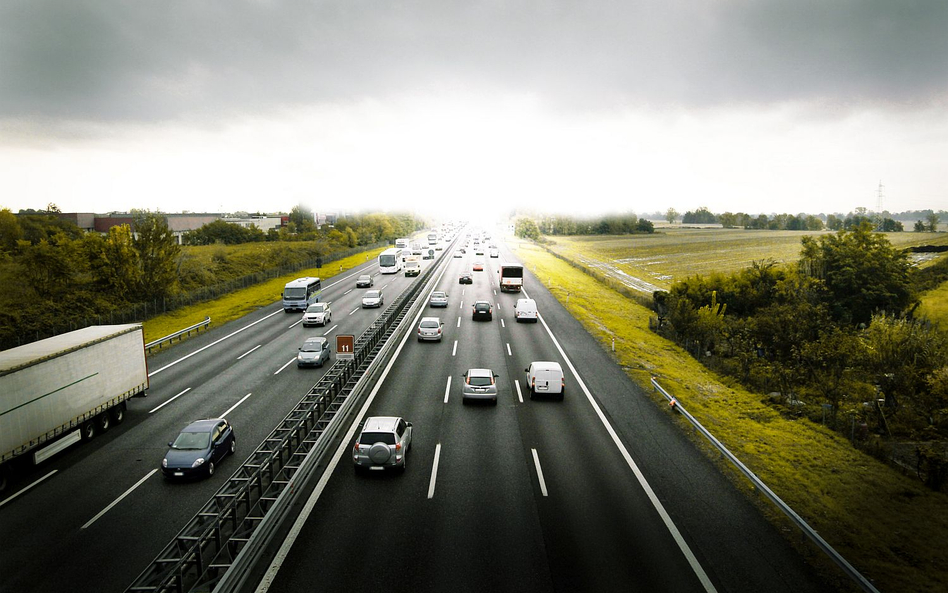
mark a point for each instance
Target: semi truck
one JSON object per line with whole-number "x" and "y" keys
{"x": 71, "y": 387}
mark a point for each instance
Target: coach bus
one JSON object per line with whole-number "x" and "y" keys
{"x": 390, "y": 261}
{"x": 301, "y": 293}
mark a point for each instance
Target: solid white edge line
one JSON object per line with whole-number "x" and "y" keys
{"x": 508, "y": 349}
{"x": 536, "y": 462}
{"x": 249, "y": 351}
{"x": 170, "y": 400}
{"x": 284, "y": 366}
{"x": 290, "y": 538}
{"x": 119, "y": 499}
{"x": 231, "y": 409}
{"x": 295, "y": 324}
{"x": 434, "y": 472}
{"x": 447, "y": 389}
{"x": 331, "y": 329}
{"x": 519, "y": 394}
{"x": 214, "y": 343}
{"x": 36, "y": 483}
{"x": 455, "y": 350}
{"x": 669, "y": 524}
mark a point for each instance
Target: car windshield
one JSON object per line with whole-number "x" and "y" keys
{"x": 480, "y": 381}
{"x": 312, "y": 346}
{"x": 429, "y": 324}
{"x": 192, "y": 440}
{"x": 370, "y": 438}
{"x": 316, "y": 308}
{"x": 372, "y": 294}
{"x": 294, "y": 293}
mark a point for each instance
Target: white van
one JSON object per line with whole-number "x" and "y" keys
{"x": 526, "y": 310}
{"x": 546, "y": 378}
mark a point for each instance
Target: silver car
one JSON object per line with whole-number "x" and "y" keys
{"x": 479, "y": 384}
{"x": 383, "y": 443}
{"x": 430, "y": 328}
{"x": 317, "y": 314}
{"x": 438, "y": 299}
{"x": 313, "y": 353}
{"x": 372, "y": 298}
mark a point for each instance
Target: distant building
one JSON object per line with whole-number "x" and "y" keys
{"x": 178, "y": 224}
{"x": 264, "y": 223}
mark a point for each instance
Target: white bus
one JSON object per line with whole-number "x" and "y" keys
{"x": 390, "y": 261}
{"x": 301, "y": 293}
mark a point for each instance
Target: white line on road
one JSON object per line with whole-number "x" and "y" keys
{"x": 508, "y": 349}
{"x": 347, "y": 292}
{"x": 330, "y": 330}
{"x": 167, "y": 366}
{"x": 295, "y": 324}
{"x": 36, "y": 483}
{"x": 447, "y": 389}
{"x": 119, "y": 499}
{"x": 249, "y": 351}
{"x": 434, "y": 471}
{"x": 231, "y": 409}
{"x": 288, "y": 363}
{"x": 495, "y": 293}
{"x": 536, "y": 462}
{"x": 459, "y": 321}
{"x": 455, "y": 350}
{"x": 502, "y": 324}
{"x": 669, "y": 524}
{"x": 354, "y": 310}
{"x": 170, "y": 400}
{"x": 498, "y": 305}
{"x": 519, "y": 394}
{"x": 461, "y": 305}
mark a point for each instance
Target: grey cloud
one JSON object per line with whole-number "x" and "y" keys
{"x": 151, "y": 61}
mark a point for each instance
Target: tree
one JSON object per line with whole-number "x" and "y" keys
{"x": 114, "y": 262}
{"x": 527, "y": 229}
{"x": 833, "y": 223}
{"x": 860, "y": 272}
{"x": 645, "y": 226}
{"x": 158, "y": 252}
{"x": 920, "y": 226}
{"x": 10, "y": 231}
{"x": 728, "y": 220}
{"x": 932, "y": 220}
{"x": 671, "y": 215}
{"x": 303, "y": 219}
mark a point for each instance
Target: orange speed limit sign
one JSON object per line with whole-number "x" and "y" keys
{"x": 345, "y": 346}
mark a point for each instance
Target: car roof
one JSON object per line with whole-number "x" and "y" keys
{"x": 480, "y": 373}
{"x": 380, "y": 423}
{"x": 547, "y": 366}
{"x": 438, "y": 319}
{"x": 202, "y": 425}
{"x": 364, "y": 276}
{"x": 315, "y": 340}
{"x": 481, "y": 303}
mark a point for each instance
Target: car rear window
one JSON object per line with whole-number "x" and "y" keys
{"x": 482, "y": 306}
{"x": 429, "y": 324}
{"x": 370, "y": 438}
{"x": 480, "y": 381}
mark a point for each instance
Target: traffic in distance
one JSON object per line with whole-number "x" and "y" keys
{"x": 544, "y": 494}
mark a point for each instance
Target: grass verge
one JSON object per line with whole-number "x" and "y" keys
{"x": 935, "y": 306}
{"x": 241, "y": 302}
{"x": 886, "y": 524}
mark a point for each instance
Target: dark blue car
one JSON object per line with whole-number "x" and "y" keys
{"x": 199, "y": 448}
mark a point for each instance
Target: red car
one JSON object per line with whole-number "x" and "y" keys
{"x": 478, "y": 266}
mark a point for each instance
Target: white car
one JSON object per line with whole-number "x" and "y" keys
{"x": 317, "y": 314}
{"x": 372, "y": 298}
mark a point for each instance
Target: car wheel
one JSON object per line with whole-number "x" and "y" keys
{"x": 493, "y": 402}
{"x": 118, "y": 413}
{"x": 463, "y": 401}
{"x": 560, "y": 395}
{"x": 419, "y": 339}
{"x": 532, "y": 393}
{"x": 401, "y": 469}
{"x": 210, "y": 468}
{"x": 103, "y": 422}
{"x": 233, "y": 446}
{"x": 88, "y": 431}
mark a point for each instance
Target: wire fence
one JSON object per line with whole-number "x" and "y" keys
{"x": 143, "y": 311}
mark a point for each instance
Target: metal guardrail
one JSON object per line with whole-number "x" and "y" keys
{"x": 186, "y": 331}
{"x": 804, "y": 527}
{"x": 218, "y": 548}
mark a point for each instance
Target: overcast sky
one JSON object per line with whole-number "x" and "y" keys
{"x": 460, "y": 106}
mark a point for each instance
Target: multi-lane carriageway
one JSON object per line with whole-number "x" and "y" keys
{"x": 600, "y": 492}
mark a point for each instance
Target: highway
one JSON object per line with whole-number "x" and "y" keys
{"x": 599, "y": 492}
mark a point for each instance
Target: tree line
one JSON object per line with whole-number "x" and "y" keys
{"x": 611, "y": 224}
{"x": 884, "y": 222}
{"x": 53, "y": 273}
{"x": 836, "y": 327}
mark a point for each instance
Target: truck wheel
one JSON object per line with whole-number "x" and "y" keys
{"x": 103, "y": 422}
{"x": 118, "y": 413}
{"x": 87, "y": 430}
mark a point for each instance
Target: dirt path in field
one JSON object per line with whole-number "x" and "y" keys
{"x": 620, "y": 276}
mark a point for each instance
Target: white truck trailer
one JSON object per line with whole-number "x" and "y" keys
{"x": 67, "y": 388}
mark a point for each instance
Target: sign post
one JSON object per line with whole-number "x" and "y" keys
{"x": 345, "y": 347}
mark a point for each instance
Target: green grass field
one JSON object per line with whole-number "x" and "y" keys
{"x": 244, "y": 301}
{"x": 888, "y": 525}
{"x": 676, "y": 253}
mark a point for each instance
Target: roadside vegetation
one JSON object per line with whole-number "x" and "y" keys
{"x": 883, "y": 520}
{"x": 55, "y": 278}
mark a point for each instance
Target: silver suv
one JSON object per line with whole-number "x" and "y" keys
{"x": 479, "y": 384}
{"x": 383, "y": 443}
{"x": 317, "y": 314}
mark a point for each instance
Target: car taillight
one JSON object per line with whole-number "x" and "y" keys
{"x": 398, "y": 446}
{"x": 563, "y": 382}
{"x": 439, "y": 330}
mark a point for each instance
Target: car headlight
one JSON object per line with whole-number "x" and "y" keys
{"x": 299, "y": 357}
{"x": 164, "y": 462}
{"x": 197, "y": 462}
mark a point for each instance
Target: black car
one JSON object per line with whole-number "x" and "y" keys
{"x": 198, "y": 449}
{"x": 483, "y": 310}
{"x": 364, "y": 281}
{"x": 465, "y": 278}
